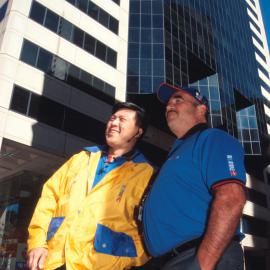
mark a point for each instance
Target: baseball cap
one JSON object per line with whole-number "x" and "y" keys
{"x": 166, "y": 90}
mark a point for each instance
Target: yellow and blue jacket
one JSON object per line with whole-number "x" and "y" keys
{"x": 89, "y": 227}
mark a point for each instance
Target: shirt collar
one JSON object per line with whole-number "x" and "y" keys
{"x": 127, "y": 156}
{"x": 194, "y": 129}
{"x": 190, "y": 132}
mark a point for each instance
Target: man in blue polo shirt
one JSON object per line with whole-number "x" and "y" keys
{"x": 191, "y": 215}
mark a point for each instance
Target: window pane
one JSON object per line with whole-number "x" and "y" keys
{"x": 51, "y": 21}
{"x": 251, "y": 110}
{"x": 3, "y": 10}
{"x": 146, "y": 51}
{"x": 93, "y": 10}
{"x": 44, "y": 60}
{"x": 146, "y": 35}
{"x": 82, "y": 5}
{"x": 157, "y": 7}
{"x": 135, "y": 6}
{"x": 37, "y": 12}
{"x": 113, "y": 25}
{"x": 158, "y": 51}
{"x": 244, "y": 122}
{"x": 65, "y": 29}
{"x": 146, "y": 7}
{"x": 254, "y": 134}
{"x": 19, "y": 100}
{"x": 103, "y": 18}
{"x": 98, "y": 84}
{"x": 86, "y": 78}
{"x": 145, "y": 84}
{"x": 73, "y": 75}
{"x": 157, "y": 21}
{"x": 134, "y": 20}
{"x": 111, "y": 57}
{"x": 214, "y": 94}
{"x": 252, "y": 122}
{"x": 215, "y": 107}
{"x": 100, "y": 51}
{"x": 109, "y": 90}
{"x": 156, "y": 82}
{"x": 133, "y": 84}
{"x": 245, "y": 135}
{"x": 216, "y": 121}
{"x": 116, "y": 2}
{"x": 256, "y": 148}
{"x": 146, "y": 67}
{"x": 133, "y": 67}
{"x": 78, "y": 37}
{"x": 247, "y": 148}
{"x": 72, "y": 2}
{"x": 133, "y": 50}
{"x": 29, "y": 53}
{"x": 134, "y": 35}
{"x": 34, "y": 106}
{"x": 145, "y": 21}
{"x": 59, "y": 68}
{"x": 89, "y": 44}
{"x": 158, "y": 67}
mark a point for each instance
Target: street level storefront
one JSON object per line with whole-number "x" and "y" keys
{"x": 23, "y": 170}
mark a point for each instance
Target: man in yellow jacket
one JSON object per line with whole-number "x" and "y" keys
{"x": 84, "y": 218}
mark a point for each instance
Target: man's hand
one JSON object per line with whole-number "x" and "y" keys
{"x": 36, "y": 258}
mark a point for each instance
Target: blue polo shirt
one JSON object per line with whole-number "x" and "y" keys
{"x": 176, "y": 208}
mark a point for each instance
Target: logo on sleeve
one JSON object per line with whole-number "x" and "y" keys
{"x": 231, "y": 165}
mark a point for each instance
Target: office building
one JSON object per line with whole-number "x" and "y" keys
{"x": 62, "y": 66}
{"x": 220, "y": 47}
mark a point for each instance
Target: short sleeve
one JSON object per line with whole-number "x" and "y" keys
{"x": 222, "y": 159}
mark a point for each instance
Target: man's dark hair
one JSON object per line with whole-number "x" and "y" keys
{"x": 141, "y": 118}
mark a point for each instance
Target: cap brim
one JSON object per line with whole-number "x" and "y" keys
{"x": 165, "y": 92}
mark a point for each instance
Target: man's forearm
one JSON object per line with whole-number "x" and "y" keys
{"x": 224, "y": 217}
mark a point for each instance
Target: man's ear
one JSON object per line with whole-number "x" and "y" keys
{"x": 202, "y": 109}
{"x": 139, "y": 133}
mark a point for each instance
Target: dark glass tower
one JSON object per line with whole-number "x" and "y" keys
{"x": 205, "y": 43}
{"x": 208, "y": 44}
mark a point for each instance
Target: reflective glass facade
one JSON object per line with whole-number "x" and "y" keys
{"x": 146, "y": 69}
{"x": 204, "y": 43}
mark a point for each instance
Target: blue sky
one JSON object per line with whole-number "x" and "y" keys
{"x": 265, "y": 7}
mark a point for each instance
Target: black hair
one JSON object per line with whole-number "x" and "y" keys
{"x": 141, "y": 118}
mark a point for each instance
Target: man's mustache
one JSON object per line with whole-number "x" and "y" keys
{"x": 170, "y": 110}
